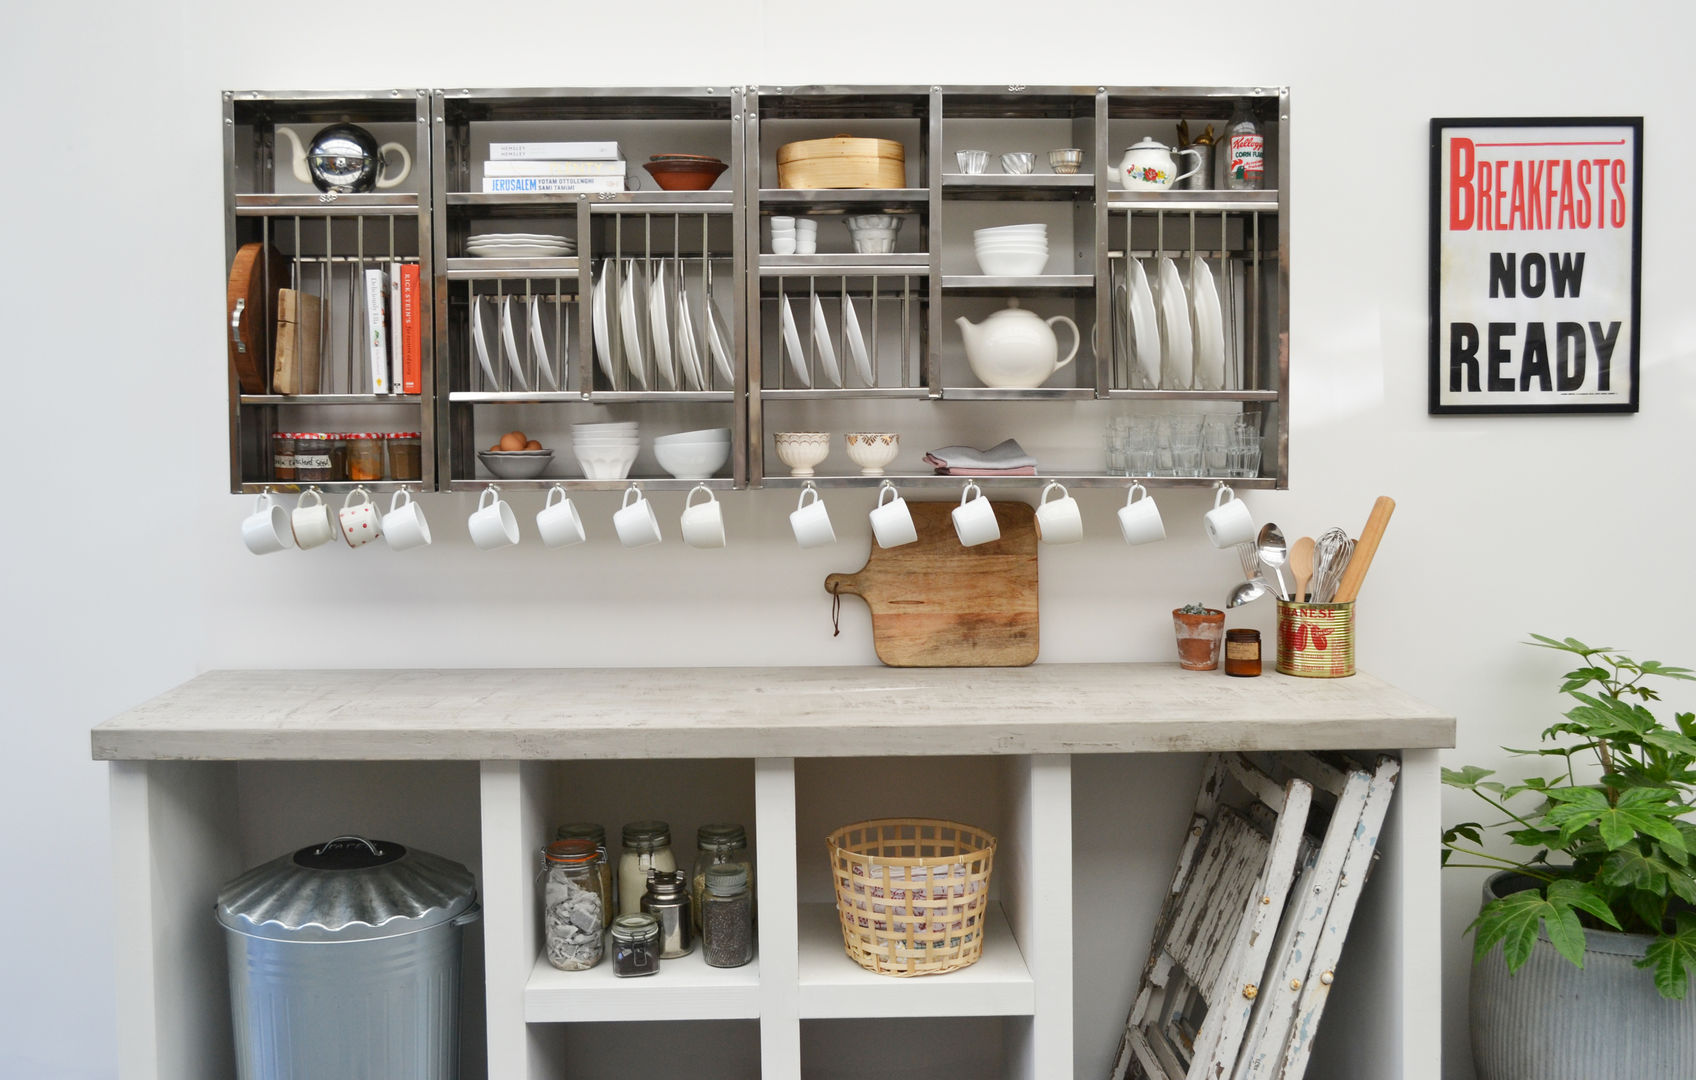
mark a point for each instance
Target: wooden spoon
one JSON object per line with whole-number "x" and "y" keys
{"x": 1364, "y": 549}
{"x": 1301, "y": 565}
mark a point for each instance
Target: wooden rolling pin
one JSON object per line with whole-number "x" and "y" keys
{"x": 1366, "y": 547}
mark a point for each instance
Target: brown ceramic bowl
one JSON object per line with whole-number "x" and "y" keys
{"x": 689, "y": 174}
{"x": 681, "y": 157}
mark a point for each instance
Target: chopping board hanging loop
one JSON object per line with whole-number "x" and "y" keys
{"x": 835, "y": 610}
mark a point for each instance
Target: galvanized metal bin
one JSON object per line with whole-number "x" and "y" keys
{"x": 344, "y": 961}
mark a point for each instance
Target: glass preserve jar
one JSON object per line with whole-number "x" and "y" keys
{"x": 635, "y": 945}
{"x": 717, "y": 845}
{"x": 406, "y": 462}
{"x": 364, "y": 455}
{"x": 573, "y": 905}
{"x": 597, "y": 835}
{"x": 338, "y": 455}
{"x": 282, "y": 455}
{"x": 313, "y": 456}
{"x": 667, "y": 900}
{"x": 647, "y": 846}
{"x": 727, "y": 918}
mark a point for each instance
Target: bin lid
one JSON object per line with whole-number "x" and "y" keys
{"x": 347, "y": 889}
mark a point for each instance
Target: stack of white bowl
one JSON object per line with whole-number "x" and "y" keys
{"x": 1012, "y": 250}
{"x": 873, "y": 234}
{"x": 606, "y": 451}
{"x": 693, "y": 455}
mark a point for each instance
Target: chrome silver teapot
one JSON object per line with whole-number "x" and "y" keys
{"x": 345, "y": 158}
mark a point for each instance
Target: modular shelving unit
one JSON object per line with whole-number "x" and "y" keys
{"x": 902, "y": 304}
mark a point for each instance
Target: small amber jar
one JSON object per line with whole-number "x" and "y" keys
{"x": 364, "y": 456}
{"x": 282, "y": 455}
{"x": 314, "y": 458}
{"x": 405, "y": 461}
{"x": 1242, "y": 653}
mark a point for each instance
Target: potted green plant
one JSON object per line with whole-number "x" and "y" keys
{"x": 1200, "y": 630}
{"x": 1607, "y": 887}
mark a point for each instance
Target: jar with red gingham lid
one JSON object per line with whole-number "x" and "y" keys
{"x": 282, "y": 455}
{"x": 406, "y": 462}
{"x": 312, "y": 456}
{"x": 364, "y": 455}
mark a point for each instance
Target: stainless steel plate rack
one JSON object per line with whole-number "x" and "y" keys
{"x": 327, "y": 241}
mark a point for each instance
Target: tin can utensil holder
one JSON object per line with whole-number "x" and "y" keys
{"x": 1315, "y": 641}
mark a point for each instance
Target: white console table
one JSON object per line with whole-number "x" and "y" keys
{"x": 1086, "y": 772}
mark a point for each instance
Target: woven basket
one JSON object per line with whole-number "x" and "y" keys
{"x": 912, "y": 893}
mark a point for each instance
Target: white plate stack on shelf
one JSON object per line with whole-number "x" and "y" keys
{"x": 520, "y": 246}
{"x": 1012, "y": 250}
{"x": 606, "y": 451}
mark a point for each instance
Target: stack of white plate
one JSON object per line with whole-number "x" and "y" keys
{"x": 1012, "y": 250}
{"x": 606, "y": 451}
{"x": 693, "y": 455}
{"x": 520, "y": 246}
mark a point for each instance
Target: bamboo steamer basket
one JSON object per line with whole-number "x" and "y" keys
{"x": 912, "y": 894}
{"x": 842, "y": 161}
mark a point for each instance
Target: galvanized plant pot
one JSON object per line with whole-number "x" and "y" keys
{"x": 1553, "y": 1021}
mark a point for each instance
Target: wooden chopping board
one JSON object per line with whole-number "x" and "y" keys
{"x": 254, "y": 281}
{"x": 935, "y": 603}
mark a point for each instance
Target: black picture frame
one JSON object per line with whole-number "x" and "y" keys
{"x": 1437, "y": 323}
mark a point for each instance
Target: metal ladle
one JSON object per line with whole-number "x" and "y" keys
{"x": 1273, "y": 552}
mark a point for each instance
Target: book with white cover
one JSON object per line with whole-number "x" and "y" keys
{"x": 553, "y": 151}
{"x": 376, "y": 337}
{"x": 395, "y": 345}
{"x": 530, "y": 185}
{"x": 613, "y": 167}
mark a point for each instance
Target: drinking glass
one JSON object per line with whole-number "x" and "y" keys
{"x": 1245, "y": 449}
{"x": 1117, "y": 438}
{"x": 1186, "y": 445}
{"x": 1216, "y": 436}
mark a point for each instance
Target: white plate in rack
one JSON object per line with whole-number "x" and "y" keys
{"x": 603, "y": 334}
{"x": 857, "y": 343}
{"x": 718, "y": 341}
{"x": 630, "y": 326}
{"x": 664, "y": 363}
{"x": 511, "y": 343}
{"x": 1178, "y": 373}
{"x": 827, "y": 350}
{"x": 792, "y": 345}
{"x": 1145, "y": 327}
{"x": 690, "y": 354}
{"x": 478, "y": 343}
{"x": 538, "y": 343}
{"x": 1209, "y": 327}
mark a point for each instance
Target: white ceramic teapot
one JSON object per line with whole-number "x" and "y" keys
{"x": 1148, "y": 166}
{"x": 1015, "y": 349}
{"x": 344, "y": 158}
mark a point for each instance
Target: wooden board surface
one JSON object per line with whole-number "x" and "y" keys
{"x": 935, "y": 603}
{"x": 254, "y": 281}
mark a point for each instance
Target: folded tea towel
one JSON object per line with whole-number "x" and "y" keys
{"x": 999, "y": 458}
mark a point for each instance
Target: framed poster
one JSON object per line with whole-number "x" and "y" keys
{"x": 1536, "y": 256}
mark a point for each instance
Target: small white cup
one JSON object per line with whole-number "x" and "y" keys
{"x": 806, "y": 225}
{"x": 1139, "y": 519}
{"x": 782, "y": 223}
{"x": 493, "y": 525}
{"x": 811, "y": 521}
{"x": 311, "y": 522}
{"x": 892, "y": 522}
{"x": 267, "y": 528}
{"x": 974, "y": 518}
{"x": 404, "y": 526}
{"x": 636, "y": 522}
{"x": 361, "y": 523}
{"x": 1060, "y": 521}
{"x": 805, "y": 244}
{"x": 1229, "y": 523}
{"x": 703, "y": 523}
{"x": 558, "y": 522}
{"x": 783, "y": 245}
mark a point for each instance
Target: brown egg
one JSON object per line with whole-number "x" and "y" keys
{"x": 495, "y": 448}
{"x": 512, "y": 440}
{"x": 532, "y": 445}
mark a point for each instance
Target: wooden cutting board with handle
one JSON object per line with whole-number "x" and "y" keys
{"x": 935, "y": 603}
{"x": 250, "y": 314}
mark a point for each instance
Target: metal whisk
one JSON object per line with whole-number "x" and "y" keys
{"x": 1330, "y": 556}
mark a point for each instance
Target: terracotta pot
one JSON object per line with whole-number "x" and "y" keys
{"x": 1199, "y": 638}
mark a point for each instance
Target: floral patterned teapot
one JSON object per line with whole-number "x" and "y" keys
{"x": 1148, "y": 166}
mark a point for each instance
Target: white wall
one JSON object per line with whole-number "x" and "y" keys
{"x": 122, "y": 575}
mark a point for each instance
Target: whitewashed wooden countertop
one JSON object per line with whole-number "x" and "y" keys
{"x": 565, "y": 713}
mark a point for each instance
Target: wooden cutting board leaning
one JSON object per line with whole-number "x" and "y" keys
{"x": 250, "y": 315}
{"x": 935, "y": 603}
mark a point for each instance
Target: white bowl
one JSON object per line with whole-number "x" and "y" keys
{"x": 519, "y": 465}
{"x": 872, "y": 245}
{"x": 999, "y": 231}
{"x": 692, "y": 461}
{"x": 704, "y": 435}
{"x": 872, "y": 221}
{"x": 627, "y": 426}
{"x": 608, "y": 464}
{"x": 1011, "y": 245}
{"x": 801, "y": 450}
{"x": 872, "y": 450}
{"x": 1012, "y": 263}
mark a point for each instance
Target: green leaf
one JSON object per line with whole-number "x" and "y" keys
{"x": 1572, "y": 645}
{"x": 1466, "y": 830}
{"x": 1641, "y": 810}
{"x": 1686, "y": 723}
{"x": 1467, "y": 777}
{"x": 1585, "y": 897}
{"x": 1671, "y": 741}
{"x": 1672, "y": 956}
{"x": 1513, "y": 921}
{"x": 1650, "y": 909}
{"x": 1655, "y": 667}
{"x": 1535, "y": 837}
{"x": 1630, "y": 868}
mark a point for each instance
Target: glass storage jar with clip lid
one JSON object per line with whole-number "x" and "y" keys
{"x": 717, "y": 845}
{"x": 635, "y": 945}
{"x": 573, "y": 904}
{"x": 597, "y": 835}
{"x": 647, "y": 847}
